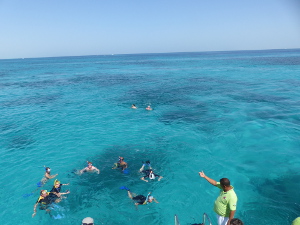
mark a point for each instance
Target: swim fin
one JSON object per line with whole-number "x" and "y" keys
{"x": 124, "y": 188}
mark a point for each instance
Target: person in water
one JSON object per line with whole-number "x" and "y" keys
{"x": 141, "y": 199}
{"x": 47, "y": 175}
{"x": 149, "y": 174}
{"x": 149, "y": 108}
{"x": 89, "y": 168}
{"x": 44, "y": 201}
{"x": 120, "y": 164}
{"x": 133, "y": 106}
{"x": 55, "y": 193}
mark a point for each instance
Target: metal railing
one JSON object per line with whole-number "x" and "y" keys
{"x": 206, "y": 217}
{"x": 206, "y": 220}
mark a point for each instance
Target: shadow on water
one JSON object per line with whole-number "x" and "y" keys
{"x": 33, "y": 100}
{"x": 252, "y": 98}
{"x": 278, "y": 193}
{"x": 104, "y": 188}
{"x": 20, "y": 142}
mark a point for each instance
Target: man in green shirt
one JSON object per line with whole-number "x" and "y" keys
{"x": 225, "y": 205}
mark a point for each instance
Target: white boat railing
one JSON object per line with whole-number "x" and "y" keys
{"x": 206, "y": 220}
{"x": 176, "y": 220}
{"x": 206, "y": 217}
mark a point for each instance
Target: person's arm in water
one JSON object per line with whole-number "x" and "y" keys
{"x": 160, "y": 177}
{"x": 34, "y": 209}
{"x": 211, "y": 181}
{"x": 231, "y": 216}
{"x": 154, "y": 199}
{"x": 98, "y": 171}
{"x": 81, "y": 171}
{"x": 143, "y": 178}
{"x": 49, "y": 176}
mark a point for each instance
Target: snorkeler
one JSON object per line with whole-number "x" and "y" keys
{"x": 120, "y": 164}
{"x": 89, "y": 168}
{"x": 149, "y": 108}
{"x": 47, "y": 176}
{"x": 55, "y": 193}
{"x": 149, "y": 174}
{"x": 44, "y": 200}
{"x": 133, "y": 106}
{"x": 140, "y": 199}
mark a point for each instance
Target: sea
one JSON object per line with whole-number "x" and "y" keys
{"x": 230, "y": 114}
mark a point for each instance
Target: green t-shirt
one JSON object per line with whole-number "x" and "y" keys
{"x": 296, "y": 221}
{"x": 226, "y": 202}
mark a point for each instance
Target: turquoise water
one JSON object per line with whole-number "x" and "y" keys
{"x": 230, "y": 114}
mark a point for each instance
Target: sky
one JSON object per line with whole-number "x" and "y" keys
{"x": 48, "y": 28}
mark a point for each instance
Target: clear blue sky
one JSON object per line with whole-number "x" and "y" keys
{"x": 42, "y": 28}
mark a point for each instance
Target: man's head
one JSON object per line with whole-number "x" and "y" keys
{"x": 225, "y": 183}
{"x": 43, "y": 193}
{"x": 150, "y": 199}
{"x": 236, "y": 221}
{"x": 87, "y": 221}
{"x": 47, "y": 169}
{"x": 56, "y": 183}
{"x": 89, "y": 164}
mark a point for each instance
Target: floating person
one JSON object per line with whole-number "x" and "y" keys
{"x": 44, "y": 201}
{"x": 149, "y": 108}
{"x": 87, "y": 221}
{"x": 46, "y": 177}
{"x": 89, "y": 168}
{"x": 133, "y": 106}
{"x": 149, "y": 174}
{"x": 140, "y": 199}
{"x": 41, "y": 183}
{"x": 120, "y": 164}
{"x": 55, "y": 193}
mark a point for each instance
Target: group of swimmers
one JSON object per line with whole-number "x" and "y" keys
{"x": 46, "y": 198}
{"x": 133, "y": 106}
{"x": 55, "y": 195}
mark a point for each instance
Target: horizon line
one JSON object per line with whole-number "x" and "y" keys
{"x": 112, "y": 54}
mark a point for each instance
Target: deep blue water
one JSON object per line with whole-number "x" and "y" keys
{"x": 230, "y": 114}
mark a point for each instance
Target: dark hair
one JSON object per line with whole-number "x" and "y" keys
{"x": 148, "y": 162}
{"x": 236, "y": 221}
{"x": 225, "y": 182}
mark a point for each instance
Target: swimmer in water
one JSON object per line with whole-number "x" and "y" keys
{"x": 133, "y": 106}
{"x": 149, "y": 108}
{"x": 44, "y": 201}
{"x": 141, "y": 199}
{"x": 47, "y": 176}
{"x": 120, "y": 164}
{"x": 89, "y": 168}
{"x": 55, "y": 193}
{"x": 149, "y": 174}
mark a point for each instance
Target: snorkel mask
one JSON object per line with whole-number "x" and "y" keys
{"x": 151, "y": 175}
{"x": 47, "y": 169}
{"x": 56, "y": 182}
{"x": 43, "y": 192}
